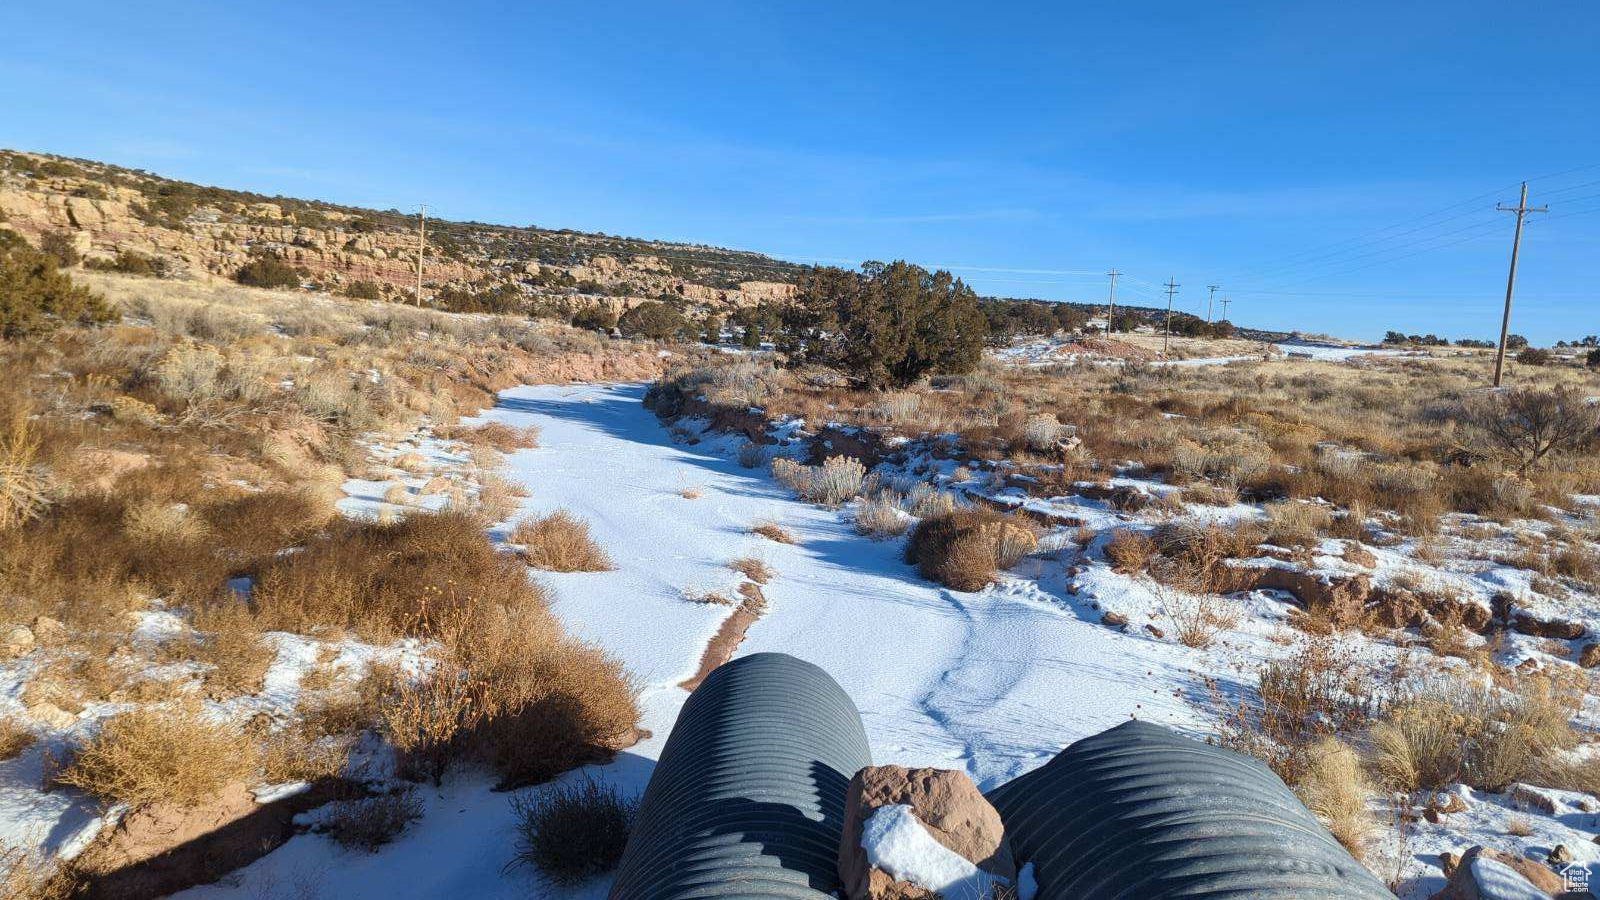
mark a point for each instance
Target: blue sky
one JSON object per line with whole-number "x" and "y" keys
{"x": 1290, "y": 152}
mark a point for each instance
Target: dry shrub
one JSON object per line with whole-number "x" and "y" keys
{"x": 370, "y": 822}
{"x": 1519, "y": 826}
{"x": 838, "y": 479}
{"x": 571, "y": 833}
{"x": 1320, "y": 691}
{"x": 1296, "y": 524}
{"x": 772, "y": 531}
{"x": 1197, "y": 618}
{"x": 497, "y": 498}
{"x": 232, "y": 645}
{"x": 495, "y": 435}
{"x": 424, "y": 719}
{"x": 1129, "y": 552}
{"x": 514, "y": 694}
{"x": 31, "y": 876}
{"x": 1041, "y": 432}
{"x": 752, "y": 455}
{"x": 296, "y": 754}
{"x": 24, "y": 485}
{"x": 409, "y": 577}
{"x": 157, "y": 522}
{"x": 967, "y": 548}
{"x": 879, "y": 516}
{"x": 1335, "y": 787}
{"x": 1482, "y": 736}
{"x": 160, "y": 755}
{"x": 753, "y": 568}
{"x": 15, "y": 737}
{"x": 560, "y": 542}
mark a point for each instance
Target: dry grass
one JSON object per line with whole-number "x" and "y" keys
{"x": 1519, "y": 826}
{"x": 496, "y": 436}
{"x": 24, "y": 485}
{"x": 838, "y": 479}
{"x": 160, "y": 755}
{"x": 560, "y": 542}
{"x": 967, "y": 549}
{"x": 25, "y": 876}
{"x": 1129, "y": 552}
{"x": 1485, "y": 737}
{"x": 880, "y": 516}
{"x": 412, "y": 577}
{"x": 753, "y": 568}
{"x": 1334, "y": 786}
{"x": 772, "y": 531}
{"x": 15, "y": 737}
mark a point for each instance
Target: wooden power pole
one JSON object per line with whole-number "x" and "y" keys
{"x": 1521, "y": 209}
{"x": 1212, "y": 295}
{"x": 422, "y": 243}
{"x": 1225, "y": 301}
{"x": 1172, "y": 288}
{"x": 1111, "y": 301}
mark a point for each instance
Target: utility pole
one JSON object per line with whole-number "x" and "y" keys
{"x": 1521, "y": 209}
{"x": 422, "y": 242}
{"x": 1209, "y": 297}
{"x": 1111, "y": 301}
{"x": 1225, "y": 301}
{"x": 1172, "y": 288}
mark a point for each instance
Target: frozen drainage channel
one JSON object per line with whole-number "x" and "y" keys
{"x": 993, "y": 682}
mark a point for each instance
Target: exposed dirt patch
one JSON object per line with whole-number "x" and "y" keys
{"x": 159, "y": 850}
{"x": 728, "y": 637}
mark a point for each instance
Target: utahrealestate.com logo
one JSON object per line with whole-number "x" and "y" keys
{"x": 1575, "y": 877}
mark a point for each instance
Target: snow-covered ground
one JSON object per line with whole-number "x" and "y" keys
{"x": 993, "y": 683}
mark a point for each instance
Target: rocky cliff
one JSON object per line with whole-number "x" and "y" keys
{"x": 199, "y": 232}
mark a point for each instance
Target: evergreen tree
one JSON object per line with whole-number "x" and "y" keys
{"x": 887, "y": 325}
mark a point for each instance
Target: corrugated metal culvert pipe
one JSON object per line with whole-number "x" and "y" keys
{"x": 1140, "y": 813}
{"x": 747, "y": 801}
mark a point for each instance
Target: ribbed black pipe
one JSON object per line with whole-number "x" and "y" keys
{"x": 747, "y": 800}
{"x": 1140, "y": 813}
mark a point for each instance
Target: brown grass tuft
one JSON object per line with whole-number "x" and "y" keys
{"x": 496, "y": 436}
{"x": 1335, "y": 788}
{"x": 753, "y": 568}
{"x": 15, "y": 737}
{"x": 560, "y": 542}
{"x": 772, "y": 531}
{"x": 1129, "y": 552}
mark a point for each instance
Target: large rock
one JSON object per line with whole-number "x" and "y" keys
{"x": 950, "y": 808}
{"x": 1484, "y": 874}
{"x": 17, "y": 640}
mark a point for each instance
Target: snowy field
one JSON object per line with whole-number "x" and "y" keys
{"x": 993, "y": 683}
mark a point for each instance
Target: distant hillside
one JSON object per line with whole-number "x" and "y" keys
{"x": 106, "y": 212}
{"x": 195, "y": 231}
